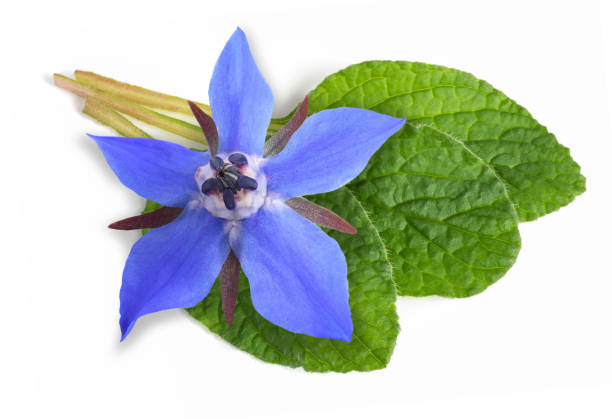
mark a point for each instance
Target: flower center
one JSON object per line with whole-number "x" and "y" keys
{"x": 232, "y": 185}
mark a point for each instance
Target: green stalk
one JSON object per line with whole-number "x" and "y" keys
{"x": 275, "y": 125}
{"x": 137, "y": 94}
{"x": 107, "y": 116}
{"x": 167, "y": 123}
{"x": 151, "y": 98}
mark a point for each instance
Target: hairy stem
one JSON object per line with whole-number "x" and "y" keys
{"x": 107, "y": 116}
{"x": 147, "y": 97}
{"x": 137, "y": 94}
{"x": 118, "y": 104}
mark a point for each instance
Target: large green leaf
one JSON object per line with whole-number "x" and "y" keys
{"x": 443, "y": 213}
{"x": 538, "y": 172}
{"x": 372, "y": 301}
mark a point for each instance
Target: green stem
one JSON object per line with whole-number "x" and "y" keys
{"x": 127, "y": 99}
{"x": 137, "y": 94}
{"x": 274, "y": 126}
{"x": 150, "y": 98}
{"x": 107, "y": 116}
{"x": 167, "y": 123}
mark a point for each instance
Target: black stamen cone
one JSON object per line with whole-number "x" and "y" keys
{"x": 247, "y": 183}
{"x": 228, "y": 199}
{"x": 209, "y": 185}
{"x": 220, "y": 186}
{"x": 223, "y": 184}
{"x": 238, "y": 159}
{"x": 216, "y": 163}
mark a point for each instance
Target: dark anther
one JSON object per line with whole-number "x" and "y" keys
{"x": 229, "y": 180}
{"x": 238, "y": 159}
{"x": 216, "y": 163}
{"x": 228, "y": 199}
{"x": 247, "y": 183}
{"x": 209, "y": 185}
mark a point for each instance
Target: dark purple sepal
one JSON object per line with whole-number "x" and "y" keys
{"x": 228, "y": 279}
{"x": 153, "y": 219}
{"x": 209, "y": 128}
{"x": 278, "y": 141}
{"x": 320, "y": 215}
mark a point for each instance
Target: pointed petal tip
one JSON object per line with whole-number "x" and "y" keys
{"x": 239, "y": 31}
{"x": 345, "y": 333}
{"x": 126, "y": 328}
{"x": 349, "y": 335}
{"x": 160, "y": 171}
{"x": 340, "y": 332}
{"x": 238, "y": 35}
{"x": 242, "y": 113}
{"x": 343, "y": 138}
{"x": 399, "y": 123}
{"x": 103, "y": 139}
{"x": 165, "y": 269}
{"x": 392, "y": 123}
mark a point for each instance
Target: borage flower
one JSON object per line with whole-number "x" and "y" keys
{"x": 238, "y": 206}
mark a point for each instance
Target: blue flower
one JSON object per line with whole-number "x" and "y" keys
{"x": 234, "y": 203}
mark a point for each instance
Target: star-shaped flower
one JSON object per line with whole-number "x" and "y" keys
{"x": 233, "y": 205}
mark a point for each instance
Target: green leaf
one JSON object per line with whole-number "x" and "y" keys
{"x": 539, "y": 173}
{"x": 372, "y": 301}
{"x": 443, "y": 213}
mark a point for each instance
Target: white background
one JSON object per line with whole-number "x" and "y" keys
{"x": 536, "y": 344}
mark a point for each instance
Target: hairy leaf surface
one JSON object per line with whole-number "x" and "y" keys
{"x": 538, "y": 172}
{"x": 444, "y": 214}
{"x": 448, "y": 191}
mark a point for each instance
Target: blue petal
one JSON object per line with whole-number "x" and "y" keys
{"x": 330, "y": 149}
{"x": 172, "y": 266}
{"x": 240, "y": 99}
{"x": 157, "y": 170}
{"x": 297, "y": 273}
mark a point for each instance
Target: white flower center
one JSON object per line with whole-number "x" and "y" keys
{"x": 222, "y": 194}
